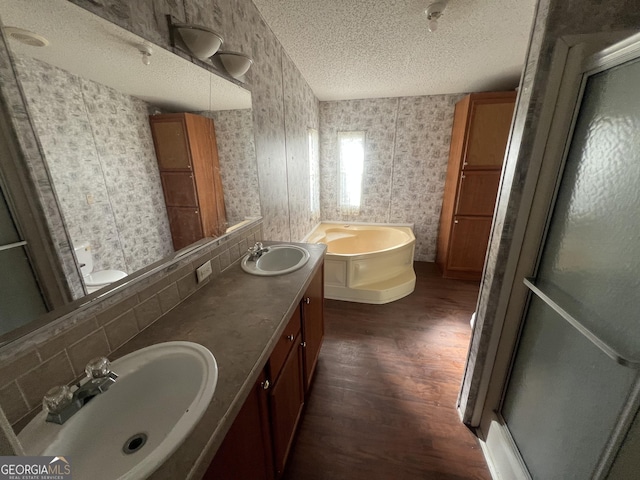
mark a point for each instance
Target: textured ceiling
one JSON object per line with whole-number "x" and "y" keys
{"x": 92, "y": 48}
{"x": 382, "y": 48}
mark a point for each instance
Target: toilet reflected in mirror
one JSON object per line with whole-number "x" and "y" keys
{"x": 94, "y": 281}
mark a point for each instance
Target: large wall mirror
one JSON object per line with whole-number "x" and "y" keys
{"x": 89, "y": 93}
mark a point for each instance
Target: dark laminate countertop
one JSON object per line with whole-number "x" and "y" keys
{"x": 239, "y": 317}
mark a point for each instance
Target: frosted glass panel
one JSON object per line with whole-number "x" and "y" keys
{"x": 21, "y": 297}
{"x": 592, "y": 253}
{"x": 8, "y": 232}
{"x": 563, "y": 397}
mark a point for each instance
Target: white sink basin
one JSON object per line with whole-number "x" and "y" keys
{"x": 162, "y": 392}
{"x": 278, "y": 260}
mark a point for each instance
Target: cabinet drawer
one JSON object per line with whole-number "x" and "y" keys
{"x": 284, "y": 345}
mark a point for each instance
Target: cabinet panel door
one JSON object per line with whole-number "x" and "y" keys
{"x": 171, "y": 142}
{"x": 469, "y": 239}
{"x": 246, "y": 449}
{"x": 488, "y": 133}
{"x": 287, "y": 399}
{"x": 179, "y": 189}
{"x": 477, "y": 192}
{"x": 185, "y": 226}
{"x": 313, "y": 324}
{"x": 284, "y": 345}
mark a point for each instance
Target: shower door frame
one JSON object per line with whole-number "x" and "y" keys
{"x": 574, "y": 64}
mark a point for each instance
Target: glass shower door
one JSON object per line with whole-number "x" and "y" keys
{"x": 579, "y": 352}
{"x": 22, "y": 300}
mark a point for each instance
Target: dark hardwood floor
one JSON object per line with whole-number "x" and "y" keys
{"x": 384, "y": 397}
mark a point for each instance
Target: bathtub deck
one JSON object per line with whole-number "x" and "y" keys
{"x": 383, "y": 401}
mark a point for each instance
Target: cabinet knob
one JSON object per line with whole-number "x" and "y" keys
{"x": 464, "y": 164}
{"x": 290, "y": 338}
{"x": 307, "y": 300}
{"x": 463, "y": 176}
{"x": 265, "y": 385}
{"x": 303, "y": 344}
{"x": 455, "y": 221}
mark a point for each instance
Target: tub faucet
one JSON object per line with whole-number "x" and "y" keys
{"x": 61, "y": 403}
{"x": 256, "y": 251}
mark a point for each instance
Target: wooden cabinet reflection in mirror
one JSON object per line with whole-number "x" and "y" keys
{"x": 187, "y": 155}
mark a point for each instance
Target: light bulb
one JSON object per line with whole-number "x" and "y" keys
{"x": 433, "y": 24}
{"x": 146, "y": 52}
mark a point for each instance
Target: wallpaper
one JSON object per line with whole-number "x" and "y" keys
{"x": 406, "y": 154}
{"x": 301, "y": 114}
{"x": 237, "y": 155}
{"x": 98, "y": 147}
{"x": 275, "y": 83}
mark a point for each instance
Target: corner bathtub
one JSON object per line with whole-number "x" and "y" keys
{"x": 366, "y": 263}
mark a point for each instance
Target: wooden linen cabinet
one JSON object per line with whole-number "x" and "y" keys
{"x": 478, "y": 141}
{"x": 189, "y": 167}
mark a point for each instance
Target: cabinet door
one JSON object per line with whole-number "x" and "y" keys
{"x": 477, "y": 192}
{"x": 285, "y": 344}
{"x": 488, "y": 133}
{"x": 171, "y": 142}
{"x": 312, "y": 325}
{"x": 246, "y": 449}
{"x": 217, "y": 181}
{"x": 286, "y": 401}
{"x": 468, "y": 245}
{"x": 185, "y": 226}
{"x": 204, "y": 151}
{"x": 179, "y": 189}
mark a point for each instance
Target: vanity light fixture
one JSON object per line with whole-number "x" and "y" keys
{"x": 434, "y": 12}
{"x": 235, "y": 63}
{"x": 146, "y": 52}
{"x": 200, "y": 41}
{"x": 26, "y": 36}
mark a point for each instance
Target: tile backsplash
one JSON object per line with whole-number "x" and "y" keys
{"x": 57, "y": 354}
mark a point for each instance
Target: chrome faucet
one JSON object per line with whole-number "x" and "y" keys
{"x": 61, "y": 403}
{"x": 256, "y": 251}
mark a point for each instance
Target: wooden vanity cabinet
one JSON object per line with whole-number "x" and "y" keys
{"x": 312, "y": 325}
{"x": 259, "y": 442}
{"x": 481, "y": 127}
{"x": 187, "y": 155}
{"x": 286, "y": 399}
{"x": 246, "y": 449}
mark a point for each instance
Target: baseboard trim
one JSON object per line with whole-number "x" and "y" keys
{"x": 502, "y": 456}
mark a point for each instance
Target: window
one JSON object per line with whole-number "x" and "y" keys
{"x": 350, "y": 170}
{"x": 314, "y": 171}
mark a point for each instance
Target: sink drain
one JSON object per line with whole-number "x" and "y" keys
{"x": 135, "y": 443}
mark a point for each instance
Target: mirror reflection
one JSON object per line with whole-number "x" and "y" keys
{"x": 90, "y": 89}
